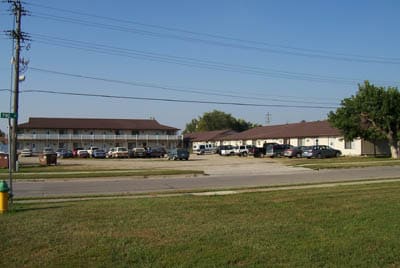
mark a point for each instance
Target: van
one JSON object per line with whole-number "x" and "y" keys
{"x": 206, "y": 148}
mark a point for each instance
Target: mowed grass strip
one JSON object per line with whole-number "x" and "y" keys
{"x": 61, "y": 173}
{"x": 337, "y": 227}
{"x": 340, "y": 162}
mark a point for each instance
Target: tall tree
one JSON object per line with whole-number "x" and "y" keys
{"x": 217, "y": 120}
{"x": 372, "y": 114}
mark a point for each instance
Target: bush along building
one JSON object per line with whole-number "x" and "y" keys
{"x": 70, "y": 133}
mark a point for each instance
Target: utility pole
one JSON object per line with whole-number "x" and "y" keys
{"x": 267, "y": 119}
{"x": 18, "y": 36}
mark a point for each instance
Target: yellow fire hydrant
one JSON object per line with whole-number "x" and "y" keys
{"x": 3, "y": 197}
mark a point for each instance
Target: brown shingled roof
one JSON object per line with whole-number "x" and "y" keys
{"x": 296, "y": 130}
{"x": 93, "y": 123}
{"x": 209, "y": 135}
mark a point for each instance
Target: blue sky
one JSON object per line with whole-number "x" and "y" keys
{"x": 286, "y": 48}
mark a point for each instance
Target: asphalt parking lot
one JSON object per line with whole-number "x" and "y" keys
{"x": 210, "y": 164}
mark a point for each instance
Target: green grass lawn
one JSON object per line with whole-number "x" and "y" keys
{"x": 336, "y": 227}
{"x": 340, "y": 162}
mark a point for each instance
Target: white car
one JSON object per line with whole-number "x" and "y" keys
{"x": 243, "y": 150}
{"x": 120, "y": 152}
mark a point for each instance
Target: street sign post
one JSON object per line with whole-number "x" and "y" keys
{"x": 8, "y": 115}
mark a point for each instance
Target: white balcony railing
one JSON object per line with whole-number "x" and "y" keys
{"x": 76, "y": 137}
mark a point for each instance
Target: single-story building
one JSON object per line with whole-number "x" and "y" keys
{"x": 70, "y": 133}
{"x": 213, "y": 138}
{"x": 304, "y": 134}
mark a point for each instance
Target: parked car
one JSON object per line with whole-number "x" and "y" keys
{"x": 227, "y": 150}
{"x": 276, "y": 150}
{"x": 262, "y": 151}
{"x": 206, "y": 148}
{"x": 120, "y": 152}
{"x": 48, "y": 150}
{"x": 63, "y": 153}
{"x": 179, "y": 153}
{"x": 294, "y": 151}
{"x": 91, "y": 149}
{"x": 26, "y": 153}
{"x": 75, "y": 151}
{"x": 109, "y": 152}
{"x": 156, "y": 152}
{"x": 138, "y": 152}
{"x": 320, "y": 151}
{"x": 83, "y": 154}
{"x": 244, "y": 150}
{"x": 99, "y": 153}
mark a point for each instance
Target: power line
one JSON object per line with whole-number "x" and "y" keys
{"x": 170, "y": 88}
{"x": 192, "y": 62}
{"x": 322, "y": 53}
{"x": 208, "y": 42}
{"x": 177, "y": 100}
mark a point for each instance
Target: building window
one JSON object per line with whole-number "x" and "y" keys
{"x": 348, "y": 144}
{"x": 135, "y": 132}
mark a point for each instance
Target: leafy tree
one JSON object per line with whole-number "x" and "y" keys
{"x": 192, "y": 126}
{"x": 217, "y": 120}
{"x": 372, "y": 114}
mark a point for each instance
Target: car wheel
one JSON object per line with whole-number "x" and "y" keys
{"x": 298, "y": 155}
{"x": 319, "y": 156}
{"x": 337, "y": 154}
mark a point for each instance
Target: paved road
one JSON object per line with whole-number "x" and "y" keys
{"x": 148, "y": 185}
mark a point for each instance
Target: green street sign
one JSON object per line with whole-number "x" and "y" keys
{"x": 8, "y": 115}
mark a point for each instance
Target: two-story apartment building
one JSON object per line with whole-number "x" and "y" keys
{"x": 72, "y": 133}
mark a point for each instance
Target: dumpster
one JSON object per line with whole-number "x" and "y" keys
{"x": 3, "y": 196}
{"x": 3, "y": 160}
{"x": 48, "y": 159}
